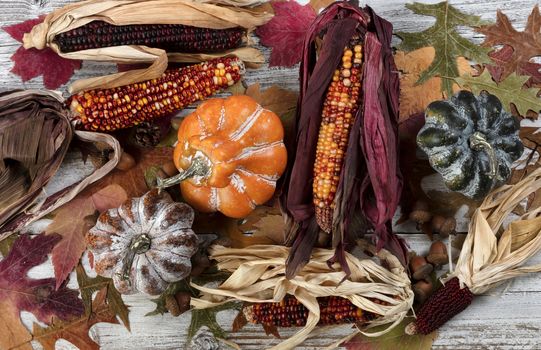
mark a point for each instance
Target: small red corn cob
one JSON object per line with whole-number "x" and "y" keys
{"x": 290, "y": 312}
{"x": 339, "y": 108}
{"x": 170, "y": 37}
{"x": 446, "y": 303}
{"x": 126, "y": 106}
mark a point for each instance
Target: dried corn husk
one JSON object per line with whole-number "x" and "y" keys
{"x": 35, "y": 133}
{"x": 487, "y": 258}
{"x": 124, "y": 12}
{"x": 258, "y": 276}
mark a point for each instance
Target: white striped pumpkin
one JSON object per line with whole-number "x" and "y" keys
{"x": 244, "y": 145}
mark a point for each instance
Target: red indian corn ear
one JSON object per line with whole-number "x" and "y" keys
{"x": 170, "y": 37}
{"x": 291, "y": 313}
{"x": 122, "y": 107}
{"x": 339, "y": 108}
{"x": 446, "y": 303}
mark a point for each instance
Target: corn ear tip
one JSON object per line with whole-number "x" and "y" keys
{"x": 411, "y": 329}
{"x": 249, "y": 313}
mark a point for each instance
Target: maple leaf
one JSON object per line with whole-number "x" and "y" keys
{"x": 510, "y": 91}
{"x": 18, "y": 292}
{"x": 414, "y": 98}
{"x": 443, "y": 36}
{"x": 76, "y": 330}
{"x": 73, "y": 220}
{"x": 395, "y": 339}
{"x": 89, "y": 285}
{"x": 285, "y": 32}
{"x": 275, "y": 99}
{"x": 32, "y": 63}
{"x": 319, "y": 5}
{"x": 518, "y": 47}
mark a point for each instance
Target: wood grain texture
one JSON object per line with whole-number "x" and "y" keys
{"x": 507, "y": 318}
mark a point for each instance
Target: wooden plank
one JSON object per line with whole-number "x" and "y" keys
{"x": 508, "y": 317}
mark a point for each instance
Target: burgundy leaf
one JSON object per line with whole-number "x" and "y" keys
{"x": 32, "y": 63}
{"x": 37, "y": 296}
{"x": 18, "y": 30}
{"x": 285, "y": 32}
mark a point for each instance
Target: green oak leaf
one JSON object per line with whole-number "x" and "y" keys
{"x": 207, "y": 318}
{"x": 509, "y": 91}
{"x": 447, "y": 42}
{"x": 89, "y": 285}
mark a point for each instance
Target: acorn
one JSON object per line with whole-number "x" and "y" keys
{"x": 170, "y": 169}
{"x": 126, "y": 162}
{"x": 442, "y": 225}
{"x": 437, "y": 255}
{"x": 178, "y": 303}
{"x": 420, "y": 213}
{"x": 420, "y": 267}
{"x": 423, "y": 289}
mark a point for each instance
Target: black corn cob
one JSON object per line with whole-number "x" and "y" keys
{"x": 291, "y": 313}
{"x": 170, "y": 37}
{"x": 446, "y": 303}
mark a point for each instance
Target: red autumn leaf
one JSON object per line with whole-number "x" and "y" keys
{"x": 18, "y": 292}
{"x": 32, "y": 63}
{"x": 73, "y": 220}
{"x": 285, "y": 32}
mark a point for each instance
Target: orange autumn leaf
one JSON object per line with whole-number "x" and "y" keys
{"x": 415, "y": 98}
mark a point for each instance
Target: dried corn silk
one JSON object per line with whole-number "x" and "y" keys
{"x": 259, "y": 276}
{"x": 141, "y": 12}
{"x": 488, "y": 259}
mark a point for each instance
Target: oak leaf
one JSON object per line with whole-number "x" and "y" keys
{"x": 510, "y": 91}
{"x": 517, "y": 48}
{"x": 76, "y": 330}
{"x": 285, "y": 32}
{"x": 73, "y": 220}
{"x": 31, "y": 63}
{"x": 18, "y": 292}
{"x": 447, "y": 42}
{"x": 89, "y": 285}
{"x": 414, "y": 97}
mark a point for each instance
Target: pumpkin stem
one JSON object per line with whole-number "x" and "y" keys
{"x": 139, "y": 245}
{"x": 200, "y": 167}
{"x": 478, "y": 142}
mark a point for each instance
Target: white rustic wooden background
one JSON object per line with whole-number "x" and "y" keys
{"x": 506, "y": 318}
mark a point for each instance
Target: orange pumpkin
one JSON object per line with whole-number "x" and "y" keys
{"x": 237, "y": 149}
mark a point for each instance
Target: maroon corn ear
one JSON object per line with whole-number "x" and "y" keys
{"x": 446, "y": 303}
{"x": 170, "y": 37}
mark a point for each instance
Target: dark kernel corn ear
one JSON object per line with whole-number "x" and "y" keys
{"x": 127, "y": 106}
{"x": 446, "y": 303}
{"x": 170, "y": 37}
{"x": 339, "y": 108}
{"x": 291, "y": 313}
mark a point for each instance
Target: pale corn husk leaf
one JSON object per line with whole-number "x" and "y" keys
{"x": 487, "y": 259}
{"x": 258, "y": 276}
{"x": 238, "y": 3}
{"x": 187, "y": 12}
{"x": 35, "y": 134}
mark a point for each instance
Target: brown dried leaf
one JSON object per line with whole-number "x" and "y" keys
{"x": 526, "y": 44}
{"x": 76, "y": 330}
{"x": 275, "y": 99}
{"x": 263, "y": 226}
{"x": 530, "y": 136}
{"x": 239, "y": 322}
{"x": 319, "y": 5}
{"x": 73, "y": 220}
{"x": 415, "y": 98}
